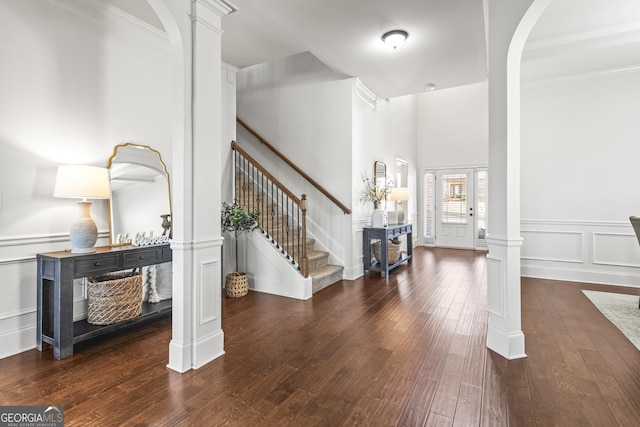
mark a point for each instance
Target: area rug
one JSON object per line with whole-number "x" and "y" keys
{"x": 621, "y": 309}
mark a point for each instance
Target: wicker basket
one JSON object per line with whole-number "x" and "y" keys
{"x": 114, "y": 297}
{"x": 393, "y": 252}
{"x": 237, "y": 285}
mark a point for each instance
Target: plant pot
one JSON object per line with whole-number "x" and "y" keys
{"x": 237, "y": 285}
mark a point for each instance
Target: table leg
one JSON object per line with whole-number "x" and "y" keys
{"x": 63, "y": 312}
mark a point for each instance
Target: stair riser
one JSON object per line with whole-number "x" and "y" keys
{"x": 317, "y": 263}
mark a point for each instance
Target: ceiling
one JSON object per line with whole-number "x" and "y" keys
{"x": 446, "y": 44}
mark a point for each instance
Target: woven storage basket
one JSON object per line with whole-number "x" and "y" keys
{"x": 393, "y": 252}
{"x": 237, "y": 285}
{"x": 113, "y": 298}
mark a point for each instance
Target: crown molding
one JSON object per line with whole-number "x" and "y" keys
{"x": 367, "y": 96}
{"x": 581, "y": 76}
{"x": 620, "y": 33}
{"x": 210, "y": 12}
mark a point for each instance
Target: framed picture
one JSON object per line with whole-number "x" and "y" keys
{"x": 392, "y": 218}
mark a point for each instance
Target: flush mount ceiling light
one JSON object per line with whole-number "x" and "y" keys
{"x": 429, "y": 87}
{"x": 394, "y": 38}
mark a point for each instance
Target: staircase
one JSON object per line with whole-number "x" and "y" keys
{"x": 282, "y": 228}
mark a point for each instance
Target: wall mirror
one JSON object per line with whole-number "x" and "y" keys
{"x": 380, "y": 174}
{"x": 140, "y": 203}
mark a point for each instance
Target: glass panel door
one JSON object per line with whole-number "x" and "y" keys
{"x": 455, "y": 223}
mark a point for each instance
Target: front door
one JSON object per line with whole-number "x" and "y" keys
{"x": 455, "y": 208}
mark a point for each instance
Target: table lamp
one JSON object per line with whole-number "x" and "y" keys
{"x": 82, "y": 182}
{"x": 400, "y": 195}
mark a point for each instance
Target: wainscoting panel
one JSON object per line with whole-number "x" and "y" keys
{"x": 18, "y": 269}
{"x": 209, "y": 273}
{"x": 581, "y": 251}
{"x": 495, "y": 294}
{"x": 563, "y": 246}
{"x": 616, "y": 249}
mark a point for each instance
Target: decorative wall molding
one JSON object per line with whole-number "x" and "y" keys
{"x": 209, "y": 272}
{"x": 496, "y": 294}
{"x": 40, "y": 239}
{"x": 367, "y": 96}
{"x": 32, "y": 244}
{"x": 553, "y": 240}
{"x": 582, "y": 76}
{"x": 605, "y": 252}
{"x": 595, "y": 39}
{"x": 209, "y": 13}
{"x": 625, "y": 224}
{"x": 212, "y": 242}
{"x": 626, "y": 246}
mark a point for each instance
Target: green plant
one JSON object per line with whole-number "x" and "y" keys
{"x": 372, "y": 192}
{"x": 236, "y": 219}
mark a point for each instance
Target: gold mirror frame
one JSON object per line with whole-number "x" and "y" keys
{"x": 380, "y": 174}
{"x": 160, "y": 169}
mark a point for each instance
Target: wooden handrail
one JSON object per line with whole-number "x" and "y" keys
{"x": 290, "y": 239}
{"x": 285, "y": 190}
{"x": 284, "y": 158}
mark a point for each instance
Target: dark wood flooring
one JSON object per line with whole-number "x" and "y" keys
{"x": 406, "y": 350}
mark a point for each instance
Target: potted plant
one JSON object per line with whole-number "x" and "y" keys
{"x": 373, "y": 192}
{"x": 236, "y": 219}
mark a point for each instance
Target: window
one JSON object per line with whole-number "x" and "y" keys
{"x": 429, "y": 181}
{"x": 454, "y": 200}
{"x": 482, "y": 178}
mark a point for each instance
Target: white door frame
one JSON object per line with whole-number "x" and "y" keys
{"x": 477, "y": 241}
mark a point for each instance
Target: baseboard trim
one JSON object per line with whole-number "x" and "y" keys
{"x": 508, "y": 345}
{"x": 582, "y": 276}
{"x": 17, "y": 341}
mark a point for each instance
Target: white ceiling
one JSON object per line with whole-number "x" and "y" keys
{"x": 446, "y": 44}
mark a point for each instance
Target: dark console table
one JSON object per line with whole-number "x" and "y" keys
{"x": 56, "y": 271}
{"x": 383, "y": 234}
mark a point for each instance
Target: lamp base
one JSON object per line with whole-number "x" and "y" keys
{"x": 84, "y": 232}
{"x": 400, "y": 212}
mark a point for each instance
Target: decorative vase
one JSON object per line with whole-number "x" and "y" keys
{"x": 378, "y": 217}
{"x": 166, "y": 225}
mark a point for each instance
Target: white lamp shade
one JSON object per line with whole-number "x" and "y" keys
{"x": 82, "y": 181}
{"x": 399, "y": 194}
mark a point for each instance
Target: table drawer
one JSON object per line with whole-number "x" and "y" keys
{"x": 97, "y": 265}
{"x": 143, "y": 257}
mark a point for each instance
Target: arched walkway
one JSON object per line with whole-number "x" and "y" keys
{"x": 509, "y": 25}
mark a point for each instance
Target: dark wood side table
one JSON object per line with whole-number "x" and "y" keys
{"x": 383, "y": 234}
{"x": 56, "y": 271}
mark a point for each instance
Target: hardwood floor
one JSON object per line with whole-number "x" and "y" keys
{"x": 406, "y": 350}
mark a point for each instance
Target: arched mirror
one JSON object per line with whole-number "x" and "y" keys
{"x": 140, "y": 203}
{"x": 380, "y": 174}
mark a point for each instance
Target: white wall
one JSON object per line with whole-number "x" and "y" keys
{"x": 304, "y": 110}
{"x": 385, "y": 134}
{"x": 453, "y": 127}
{"x": 580, "y": 150}
{"x": 76, "y": 80}
{"x": 313, "y": 116}
{"x": 452, "y": 132}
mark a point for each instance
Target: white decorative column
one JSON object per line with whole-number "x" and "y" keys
{"x": 196, "y": 323}
{"x": 509, "y": 24}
